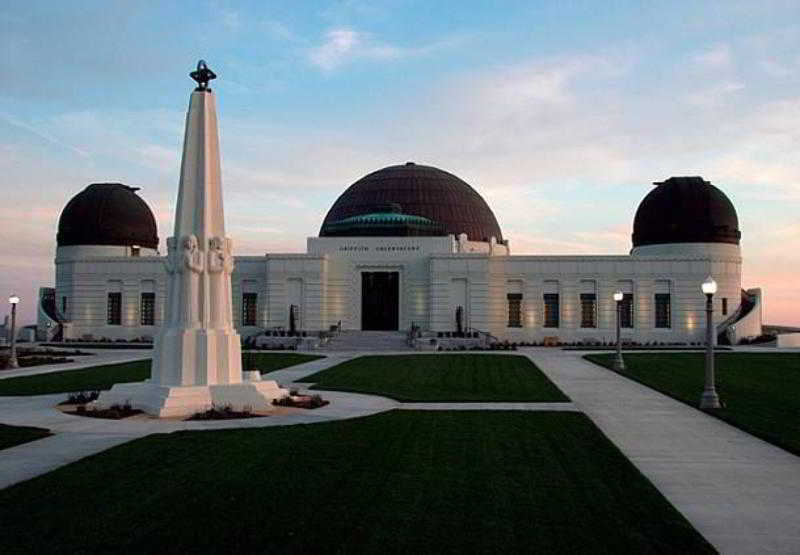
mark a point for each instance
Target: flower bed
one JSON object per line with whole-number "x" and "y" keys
{"x": 225, "y": 412}
{"x": 301, "y": 401}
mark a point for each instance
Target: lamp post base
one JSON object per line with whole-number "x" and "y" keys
{"x": 709, "y": 400}
{"x": 619, "y": 364}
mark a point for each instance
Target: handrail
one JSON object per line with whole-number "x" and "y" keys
{"x": 486, "y": 333}
{"x": 746, "y": 305}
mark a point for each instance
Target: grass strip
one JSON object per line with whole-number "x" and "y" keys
{"x": 103, "y": 377}
{"x": 17, "y": 435}
{"x": 760, "y": 391}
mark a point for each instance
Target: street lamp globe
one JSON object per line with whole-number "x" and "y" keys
{"x": 618, "y": 296}
{"x": 709, "y": 286}
{"x": 13, "y": 299}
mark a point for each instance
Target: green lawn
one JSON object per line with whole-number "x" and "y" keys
{"x": 761, "y": 391}
{"x": 16, "y": 435}
{"x": 103, "y": 377}
{"x": 469, "y": 377}
{"x": 269, "y": 362}
{"x": 397, "y": 482}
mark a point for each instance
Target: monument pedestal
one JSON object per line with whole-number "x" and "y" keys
{"x": 197, "y": 356}
{"x": 172, "y": 401}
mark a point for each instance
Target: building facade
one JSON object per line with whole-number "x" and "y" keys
{"x": 414, "y": 245}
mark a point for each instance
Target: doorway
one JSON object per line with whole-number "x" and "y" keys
{"x": 380, "y": 299}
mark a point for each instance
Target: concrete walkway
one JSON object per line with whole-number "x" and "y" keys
{"x": 569, "y": 407}
{"x": 99, "y": 357}
{"x": 741, "y": 493}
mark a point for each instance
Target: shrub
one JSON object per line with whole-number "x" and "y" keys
{"x": 81, "y": 397}
{"x": 224, "y": 412}
{"x": 114, "y": 412}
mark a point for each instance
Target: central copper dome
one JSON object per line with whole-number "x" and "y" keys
{"x": 422, "y": 191}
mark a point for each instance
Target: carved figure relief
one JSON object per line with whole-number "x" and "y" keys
{"x": 192, "y": 265}
{"x": 227, "y": 281}
{"x": 171, "y": 264}
{"x": 217, "y": 276}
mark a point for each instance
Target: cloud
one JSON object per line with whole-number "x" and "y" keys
{"x": 777, "y": 69}
{"x": 16, "y": 122}
{"x": 713, "y": 95}
{"x": 230, "y": 19}
{"x": 344, "y": 45}
{"x": 719, "y": 56}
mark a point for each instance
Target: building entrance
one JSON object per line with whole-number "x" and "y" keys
{"x": 380, "y": 299}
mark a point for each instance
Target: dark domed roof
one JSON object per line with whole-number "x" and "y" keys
{"x": 685, "y": 210}
{"x": 107, "y": 214}
{"x": 424, "y": 191}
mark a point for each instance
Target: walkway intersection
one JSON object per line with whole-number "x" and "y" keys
{"x": 740, "y": 492}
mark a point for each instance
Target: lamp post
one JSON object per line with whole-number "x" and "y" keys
{"x": 12, "y": 356}
{"x": 709, "y": 399}
{"x": 619, "y": 364}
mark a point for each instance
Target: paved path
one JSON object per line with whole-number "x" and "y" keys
{"x": 569, "y": 407}
{"x": 741, "y": 493}
{"x": 99, "y": 357}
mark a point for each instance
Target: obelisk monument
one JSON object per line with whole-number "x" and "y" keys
{"x": 197, "y": 353}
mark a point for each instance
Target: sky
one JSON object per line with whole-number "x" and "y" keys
{"x": 561, "y": 114}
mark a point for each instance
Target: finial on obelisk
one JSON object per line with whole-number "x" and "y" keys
{"x": 202, "y": 75}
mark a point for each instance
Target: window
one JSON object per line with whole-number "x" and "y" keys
{"x": 249, "y": 308}
{"x": 551, "y": 310}
{"x": 663, "y": 311}
{"x": 64, "y": 306}
{"x": 515, "y": 310}
{"x": 626, "y": 311}
{"x": 114, "y": 309}
{"x": 724, "y": 306}
{"x": 135, "y": 250}
{"x": 588, "y": 310}
{"x": 147, "y": 309}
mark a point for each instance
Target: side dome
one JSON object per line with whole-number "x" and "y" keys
{"x": 449, "y": 203}
{"x": 107, "y": 214}
{"x": 685, "y": 210}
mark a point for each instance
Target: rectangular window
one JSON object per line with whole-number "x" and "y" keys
{"x": 515, "y": 310}
{"x": 663, "y": 311}
{"x": 588, "y": 310}
{"x": 114, "y": 309}
{"x": 147, "y": 309}
{"x": 626, "y": 311}
{"x": 724, "y": 306}
{"x": 64, "y": 307}
{"x": 249, "y": 308}
{"x": 551, "y": 310}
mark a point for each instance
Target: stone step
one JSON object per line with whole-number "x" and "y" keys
{"x": 368, "y": 341}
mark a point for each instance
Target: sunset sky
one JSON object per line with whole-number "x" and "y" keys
{"x": 561, "y": 114}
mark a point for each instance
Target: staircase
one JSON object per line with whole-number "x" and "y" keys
{"x": 368, "y": 341}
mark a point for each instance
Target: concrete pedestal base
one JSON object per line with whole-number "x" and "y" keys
{"x": 185, "y": 356}
{"x": 166, "y": 401}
